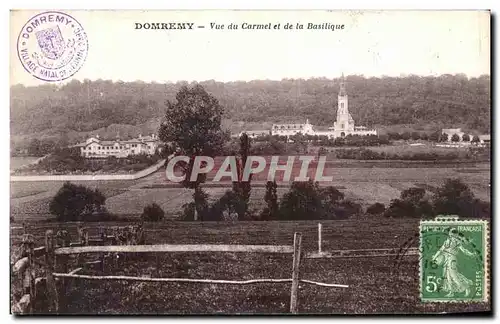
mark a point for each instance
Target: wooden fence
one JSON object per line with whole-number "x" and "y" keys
{"x": 58, "y": 248}
{"x": 23, "y": 272}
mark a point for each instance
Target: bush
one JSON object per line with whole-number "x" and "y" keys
{"x": 75, "y": 202}
{"x": 456, "y": 198}
{"x": 188, "y": 212}
{"x": 412, "y": 203}
{"x": 366, "y": 154}
{"x": 400, "y": 208}
{"x": 152, "y": 213}
{"x": 271, "y": 197}
{"x": 302, "y": 202}
{"x": 226, "y": 207}
{"x": 306, "y": 200}
{"x": 376, "y": 209}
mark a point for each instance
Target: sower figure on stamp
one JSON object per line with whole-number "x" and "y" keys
{"x": 447, "y": 256}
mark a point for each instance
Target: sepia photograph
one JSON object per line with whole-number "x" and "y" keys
{"x": 248, "y": 162}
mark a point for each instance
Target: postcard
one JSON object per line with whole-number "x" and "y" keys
{"x": 250, "y": 162}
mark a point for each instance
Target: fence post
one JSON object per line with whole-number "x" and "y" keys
{"x": 83, "y": 237}
{"x": 102, "y": 234}
{"x": 61, "y": 265}
{"x": 51, "y": 289}
{"x": 320, "y": 228}
{"x": 297, "y": 245}
{"x": 29, "y": 276}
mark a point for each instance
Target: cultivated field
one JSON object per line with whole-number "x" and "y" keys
{"x": 376, "y": 284}
{"x": 365, "y": 182}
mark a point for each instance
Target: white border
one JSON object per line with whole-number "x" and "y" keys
{"x": 486, "y": 259}
{"x": 190, "y": 4}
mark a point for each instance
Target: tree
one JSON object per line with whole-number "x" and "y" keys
{"x": 399, "y": 209}
{"x": 455, "y": 138}
{"x": 435, "y": 136}
{"x": 226, "y": 207}
{"x": 306, "y": 200}
{"x": 406, "y": 136}
{"x": 454, "y": 198}
{"x": 376, "y": 209}
{"x": 302, "y": 202}
{"x": 192, "y": 127}
{"x": 242, "y": 188}
{"x": 134, "y": 103}
{"x": 75, "y": 202}
{"x": 34, "y": 147}
{"x": 152, "y": 213}
{"x": 444, "y": 137}
{"x": 466, "y": 138}
{"x": 475, "y": 139}
{"x": 412, "y": 203}
{"x": 415, "y": 136}
{"x": 271, "y": 199}
{"x": 413, "y": 194}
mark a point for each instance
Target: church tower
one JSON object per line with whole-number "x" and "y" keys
{"x": 344, "y": 122}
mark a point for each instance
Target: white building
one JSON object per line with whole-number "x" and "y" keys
{"x": 454, "y": 131}
{"x": 95, "y": 147}
{"x": 256, "y": 133}
{"x": 345, "y": 123}
{"x": 343, "y": 126}
{"x": 485, "y": 139}
{"x": 292, "y": 129}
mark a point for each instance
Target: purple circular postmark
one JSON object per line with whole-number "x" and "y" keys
{"x": 52, "y": 46}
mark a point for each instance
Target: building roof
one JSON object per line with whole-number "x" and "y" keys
{"x": 288, "y": 126}
{"x": 451, "y": 130}
{"x": 97, "y": 140}
{"x": 256, "y": 132}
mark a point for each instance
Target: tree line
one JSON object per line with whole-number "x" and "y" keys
{"x": 85, "y": 106}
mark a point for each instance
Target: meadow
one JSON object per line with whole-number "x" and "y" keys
{"x": 364, "y": 182}
{"x": 376, "y": 284}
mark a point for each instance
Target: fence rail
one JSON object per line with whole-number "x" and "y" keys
{"x": 190, "y": 280}
{"x": 165, "y": 248}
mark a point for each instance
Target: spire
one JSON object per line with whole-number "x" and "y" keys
{"x": 342, "y": 91}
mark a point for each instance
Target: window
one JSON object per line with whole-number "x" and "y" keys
{"x": 342, "y": 105}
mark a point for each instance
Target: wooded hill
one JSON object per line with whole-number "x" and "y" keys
{"x": 81, "y": 107}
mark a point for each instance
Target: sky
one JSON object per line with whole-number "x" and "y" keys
{"x": 372, "y": 43}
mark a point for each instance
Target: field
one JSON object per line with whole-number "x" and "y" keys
{"x": 365, "y": 182}
{"x": 19, "y": 161}
{"x": 376, "y": 285}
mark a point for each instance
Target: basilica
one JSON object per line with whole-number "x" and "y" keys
{"x": 343, "y": 126}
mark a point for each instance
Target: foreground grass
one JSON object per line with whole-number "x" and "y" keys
{"x": 377, "y": 285}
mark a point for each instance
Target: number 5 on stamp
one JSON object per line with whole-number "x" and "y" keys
{"x": 453, "y": 260}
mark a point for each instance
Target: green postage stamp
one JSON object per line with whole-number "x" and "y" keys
{"x": 454, "y": 260}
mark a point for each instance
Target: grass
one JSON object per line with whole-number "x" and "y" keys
{"x": 377, "y": 285}
{"x": 365, "y": 185}
{"x": 19, "y": 161}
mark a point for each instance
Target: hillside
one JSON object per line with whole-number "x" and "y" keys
{"x": 127, "y": 108}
